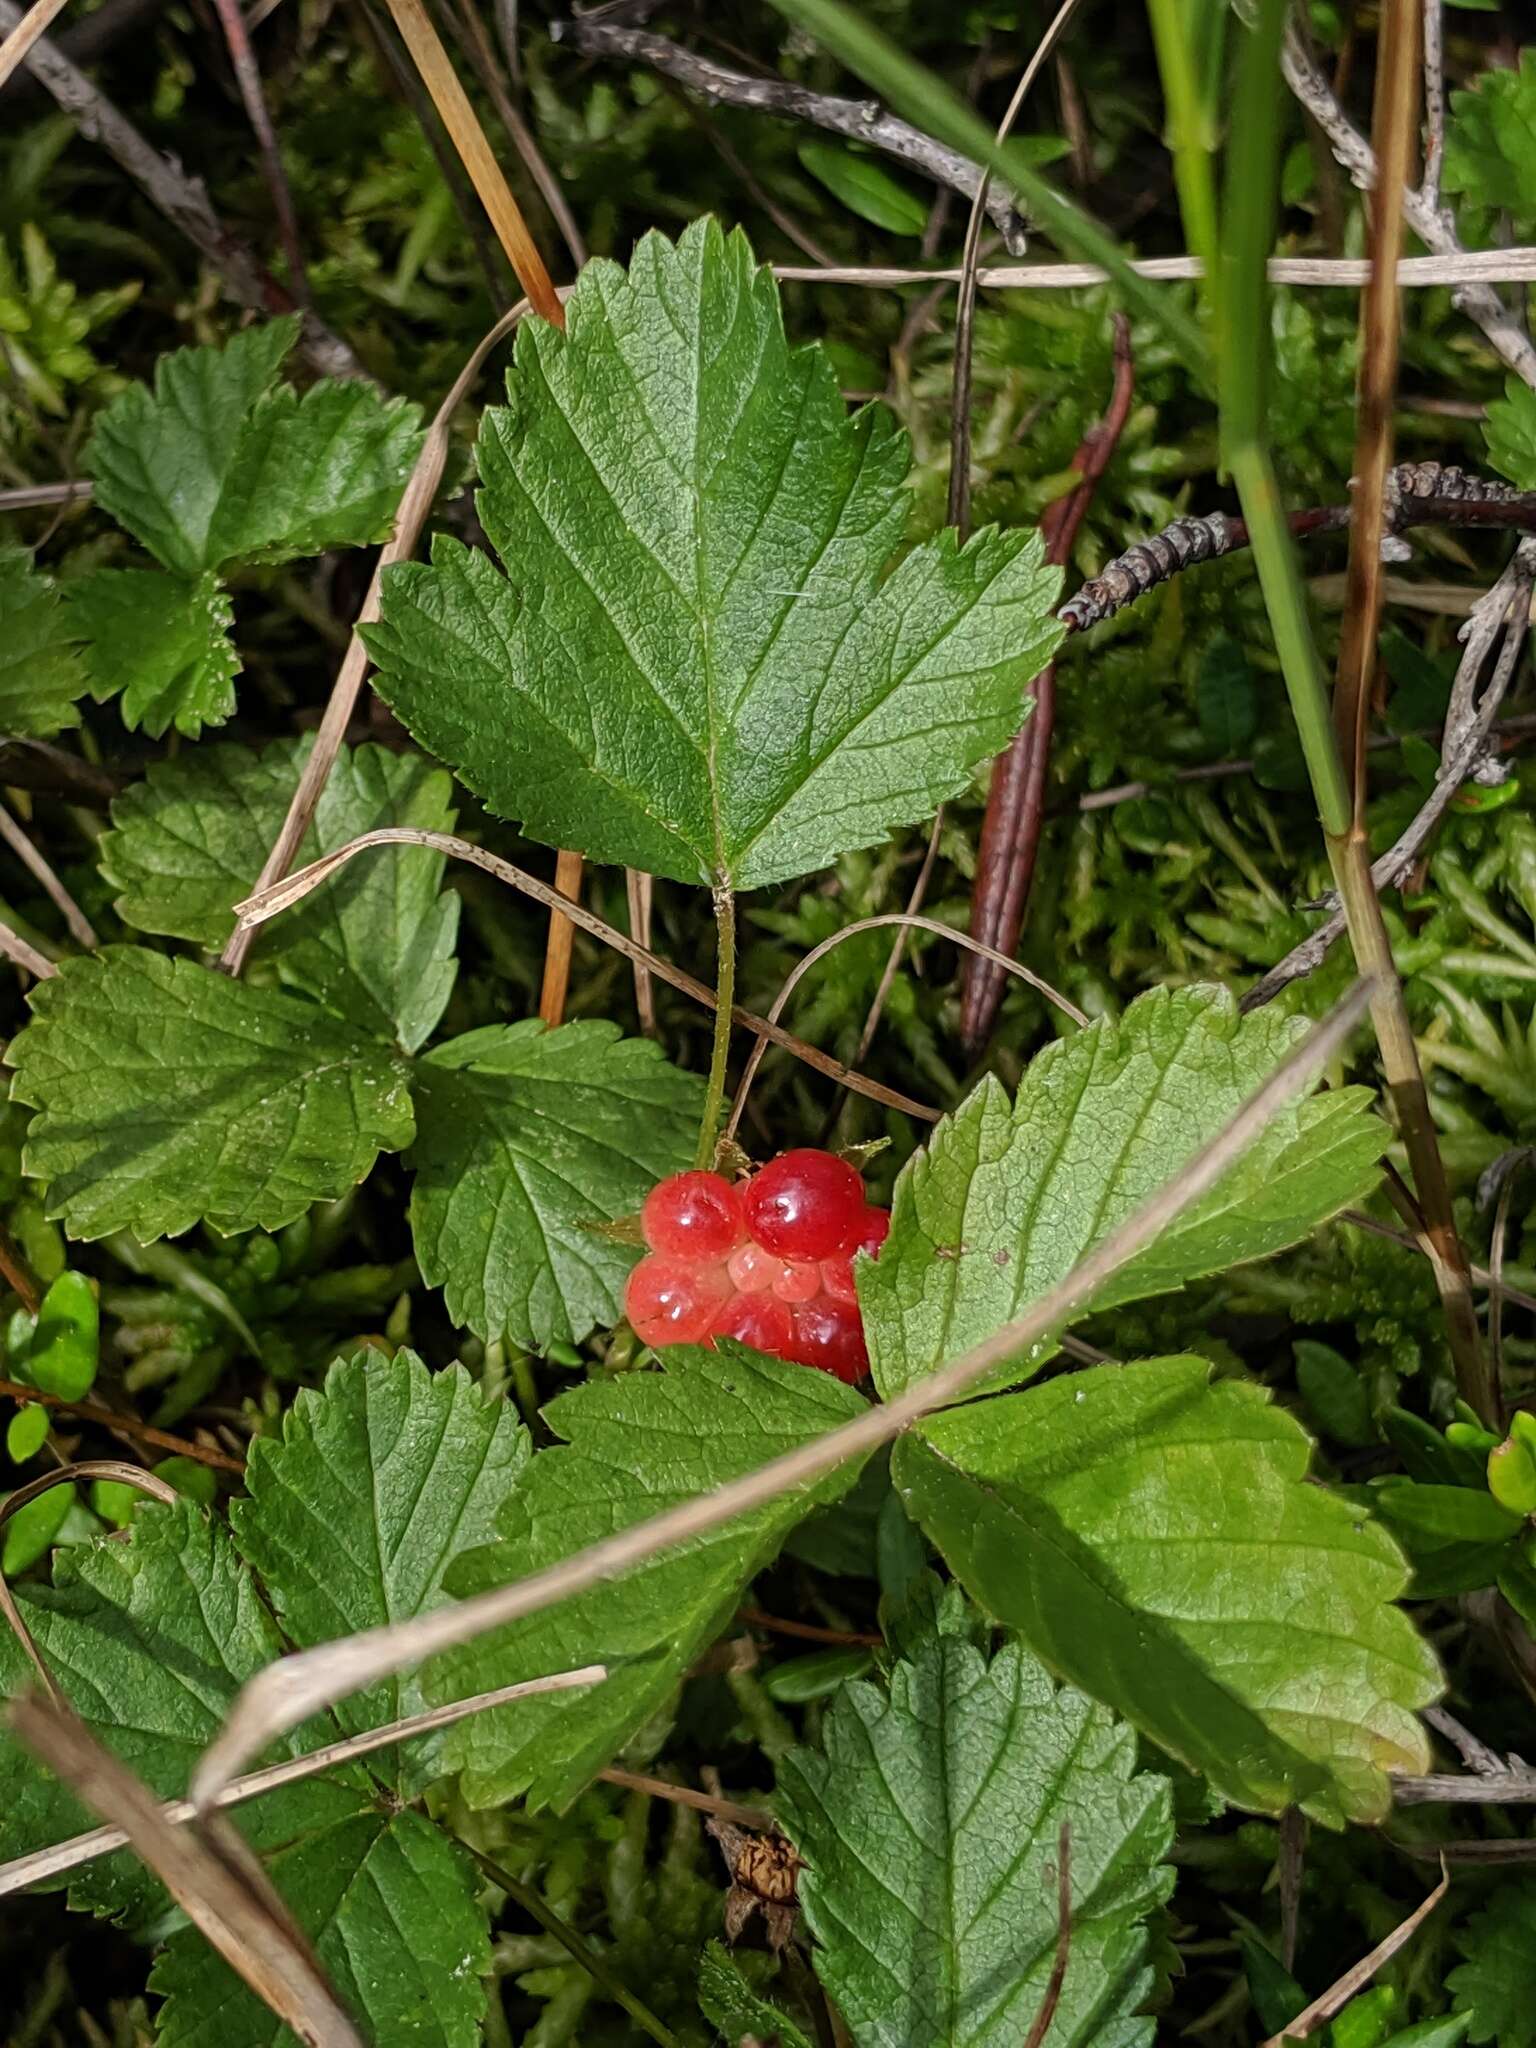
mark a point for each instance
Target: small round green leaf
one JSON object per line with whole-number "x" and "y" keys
{"x": 66, "y": 1343}
{"x": 864, "y": 188}
{"x": 27, "y": 1433}
{"x": 31, "y": 1530}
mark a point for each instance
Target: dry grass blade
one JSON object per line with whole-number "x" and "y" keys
{"x": 1465, "y": 267}
{"x": 1395, "y": 124}
{"x": 282, "y": 895}
{"x": 562, "y": 935}
{"x": 1338, "y": 1995}
{"x": 908, "y": 921}
{"x": 415, "y": 504}
{"x": 16, "y": 948}
{"x": 88, "y": 1468}
{"x": 13, "y": 50}
{"x": 206, "y": 1870}
{"x": 43, "y": 1864}
{"x": 80, "y": 928}
{"x": 288, "y": 1692}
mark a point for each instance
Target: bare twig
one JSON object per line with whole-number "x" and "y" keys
{"x": 80, "y": 927}
{"x": 43, "y": 1864}
{"x": 1425, "y": 216}
{"x": 410, "y": 517}
{"x": 26, "y": 496}
{"x": 861, "y": 120}
{"x": 124, "y": 1425}
{"x": 808, "y": 1632}
{"x": 1451, "y": 1789}
{"x": 477, "y": 46}
{"x": 1015, "y": 813}
{"x": 1472, "y": 1750}
{"x": 1433, "y": 37}
{"x": 281, "y": 896}
{"x": 1338, "y": 1995}
{"x": 181, "y": 199}
{"x": 1004, "y": 963}
{"x": 1058, "y": 1976}
{"x": 288, "y": 1692}
{"x": 248, "y": 79}
{"x": 15, "y": 947}
{"x": 34, "y": 23}
{"x": 1505, "y": 609}
{"x": 208, "y": 1871}
{"x": 19, "y": 1277}
{"x": 684, "y": 1795}
{"x": 640, "y": 893}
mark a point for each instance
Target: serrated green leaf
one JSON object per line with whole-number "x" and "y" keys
{"x": 1005, "y": 1199}
{"x": 149, "y": 1637}
{"x": 172, "y": 1095}
{"x": 215, "y": 466}
{"x": 1493, "y": 1986}
{"x": 930, "y": 1831}
{"x": 158, "y": 643}
{"x": 1490, "y": 140}
{"x": 161, "y": 459}
{"x": 636, "y": 1445}
{"x": 1153, "y": 1537}
{"x": 692, "y": 665}
{"x": 355, "y": 1514}
{"x": 375, "y": 944}
{"x": 1511, "y": 432}
{"x": 865, "y": 188}
{"x": 731, "y": 2006}
{"x": 526, "y": 1138}
{"x": 389, "y": 1902}
{"x": 41, "y": 670}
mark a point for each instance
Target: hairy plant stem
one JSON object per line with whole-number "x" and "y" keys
{"x": 725, "y": 998}
{"x": 1251, "y": 195}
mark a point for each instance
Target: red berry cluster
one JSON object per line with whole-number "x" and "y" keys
{"x": 768, "y": 1261}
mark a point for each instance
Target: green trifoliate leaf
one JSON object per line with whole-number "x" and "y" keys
{"x": 930, "y": 1828}
{"x": 215, "y": 465}
{"x": 1153, "y": 1537}
{"x": 149, "y": 1637}
{"x": 158, "y": 643}
{"x": 1493, "y": 1986}
{"x": 692, "y": 664}
{"x": 1490, "y": 142}
{"x": 378, "y": 1483}
{"x": 389, "y": 1903}
{"x": 41, "y": 672}
{"x": 635, "y": 1446}
{"x": 1511, "y": 431}
{"x": 375, "y": 944}
{"x": 1006, "y": 1198}
{"x": 171, "y": 1095}
{"x": 525, "y": 1140}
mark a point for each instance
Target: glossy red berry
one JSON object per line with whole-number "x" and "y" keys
{"x": 751, "y": 1269}
{"x": 837, "y": 1278}
{"x": 829, "y": 1335}
{"x": 875, "y": 1228}
{"x": 805, "y": 1204}
{"x": 693, "y": 1215}
{"x": 674, "y": 1301}
{"x": 758, "y": 1320}
{"x": 797, "y": 1281}
{"x": 837, "y": 1274}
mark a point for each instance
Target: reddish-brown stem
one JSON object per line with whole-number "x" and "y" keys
{"x": 248, "y": 78}
{"x": 125, "y": 1425}
{"x": 1010, "y": 833}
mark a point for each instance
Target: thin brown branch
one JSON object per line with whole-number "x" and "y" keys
{"x": 1481, "y": 1275}
{"x": 208, "y": 1871}
{"x": 122, "y": 1425}
{"x": 181, "y": 199}
{"x": 1338, "y": 1995}
{"x": 34, "y": 23}
{"x": 410, "y": 517}
{"x": 792, "y": 980}
{"x": 477, "y": 47}
{"x": 1516, "y": 1788}
{"x": 248, "y": 78}
{"x": 288, "y": 1692}
{"x": 808, "y": 1632}
{"x": 863, "y": 121}
{"x": 1292, "y": 1863}
{"x": 280, "y": 896}
{"x": 1015, "y": 813}
{"x": 42, "y": 1864}
{"x": 684, "y": 1795}
{"x": 15, "y": 947}
{"x": 80, "y": 927}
